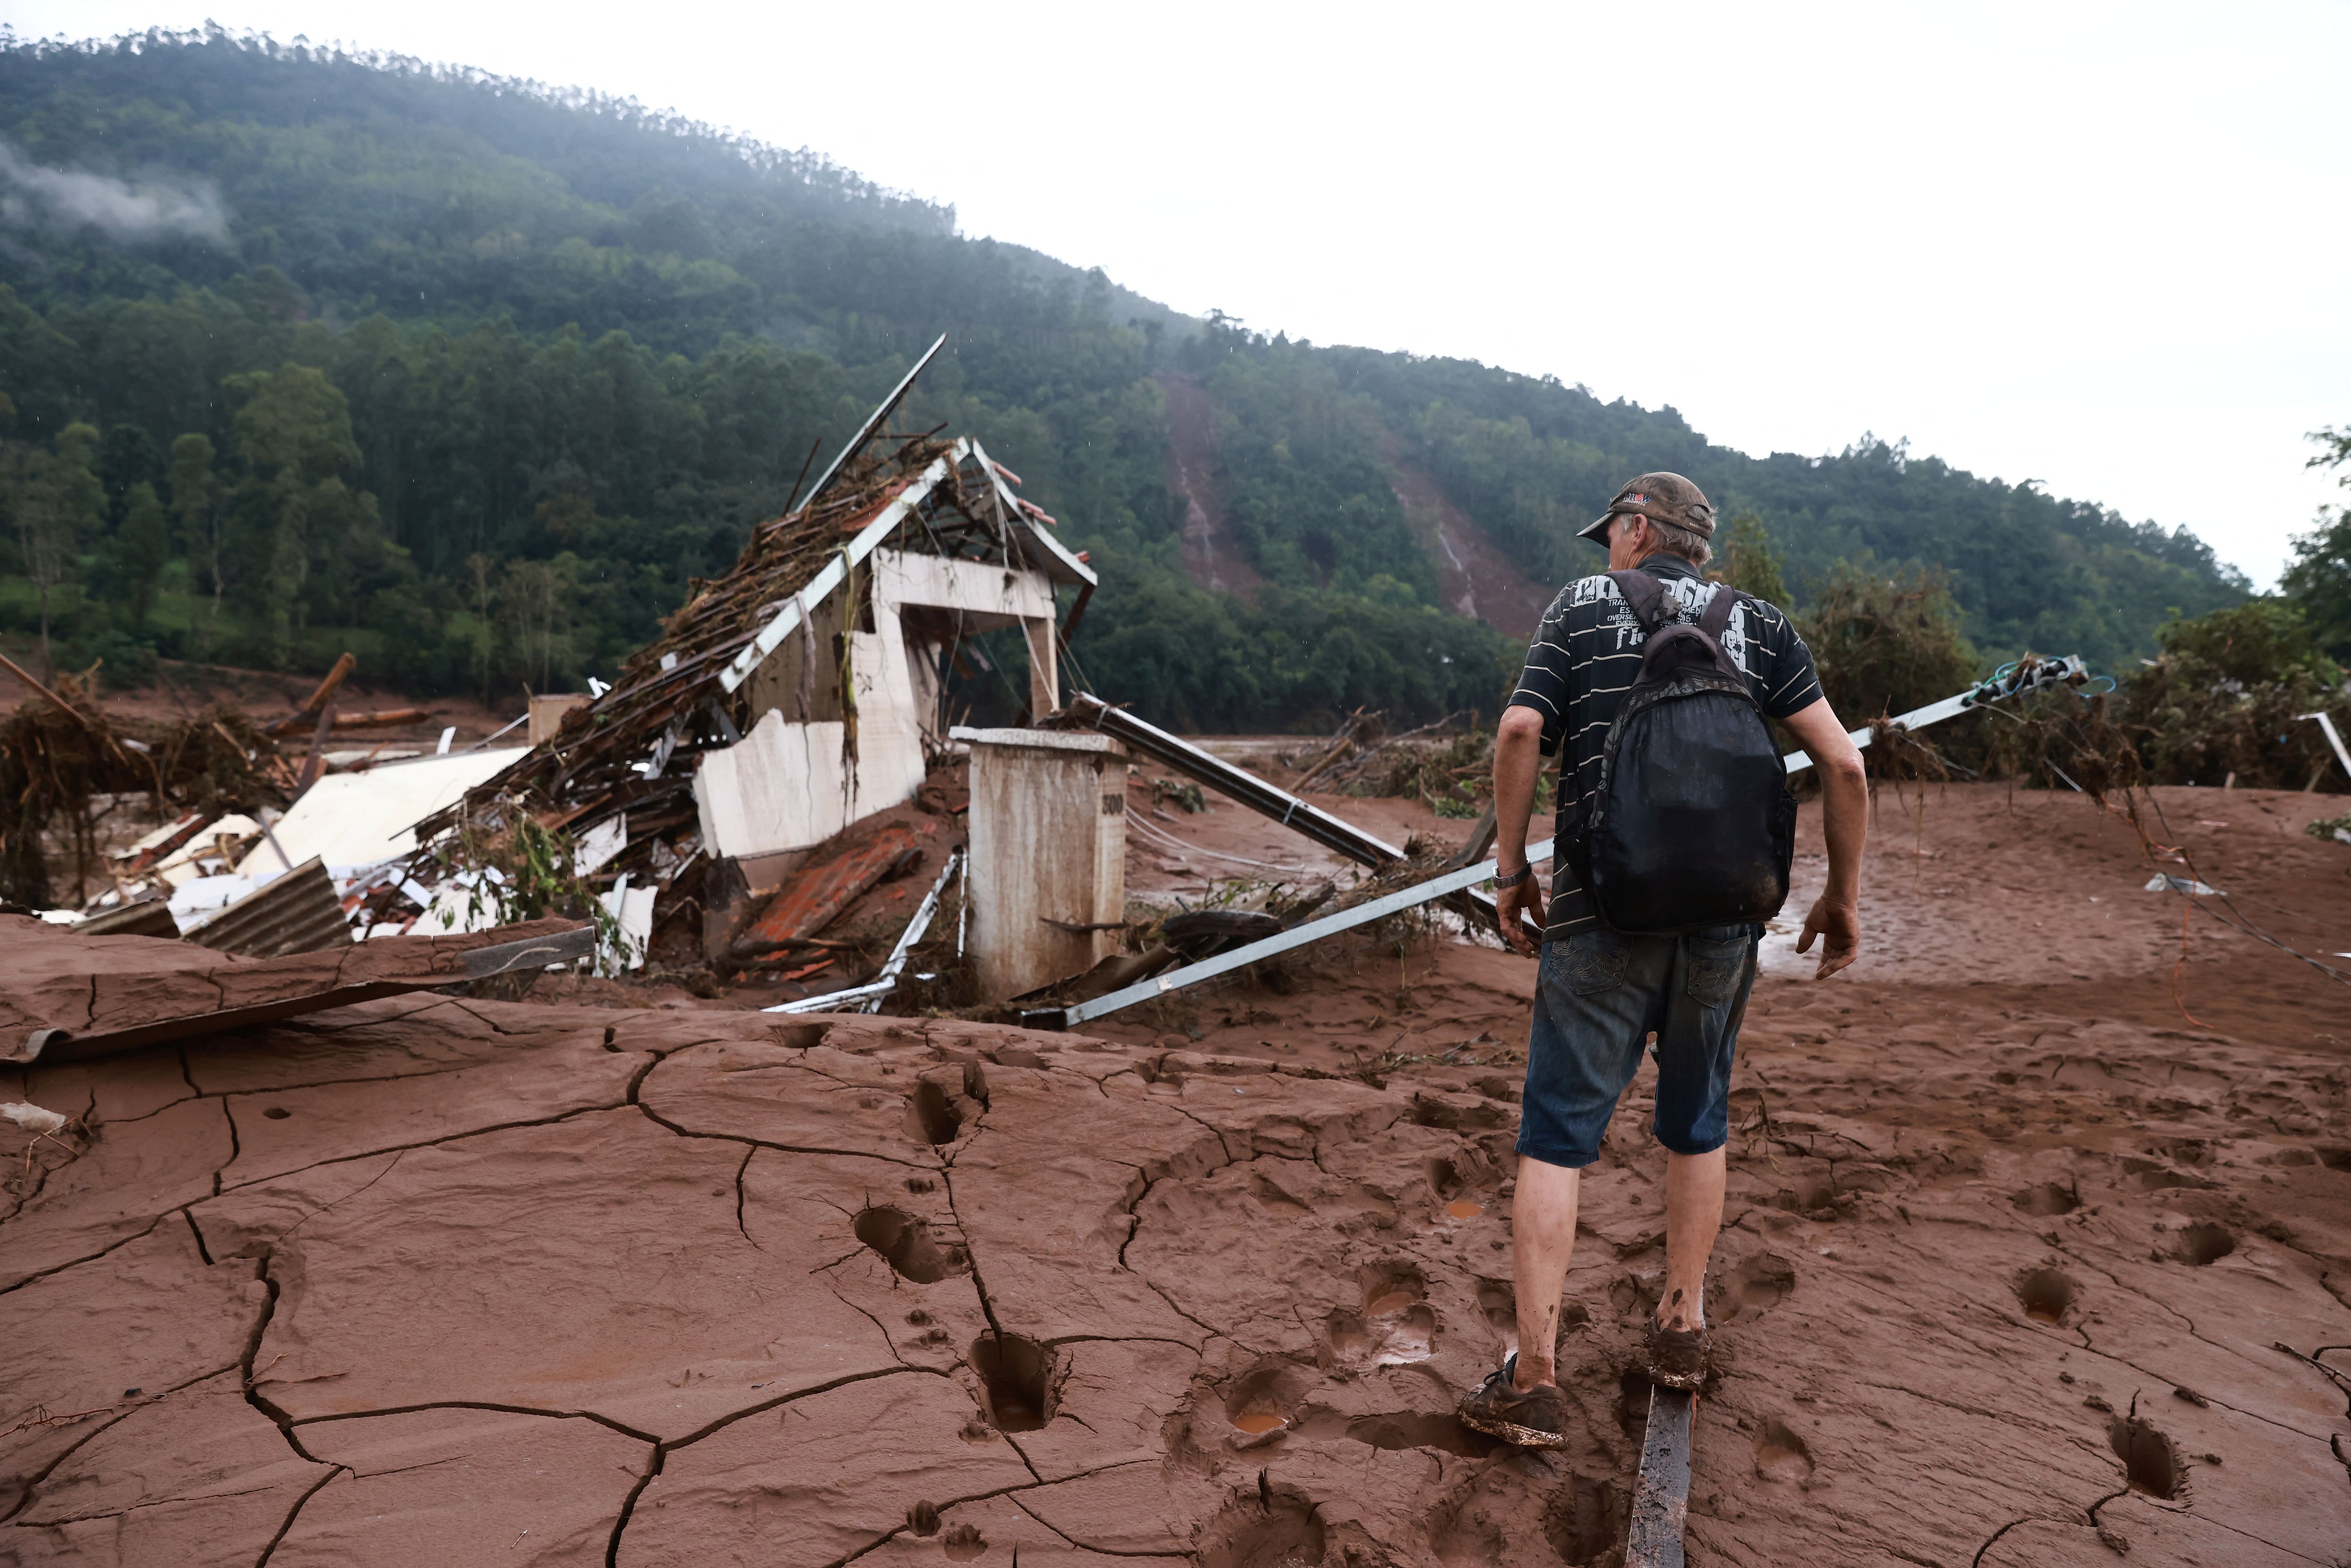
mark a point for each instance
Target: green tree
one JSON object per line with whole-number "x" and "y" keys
{"x": 535, "y": 602}
{"x": 1750, "y": 564}
{"x": 56, "y": 502}
{"x": 2318, "y": 582}
{"x": 294, "y": 442}
{"x": 196, "y": 508}
{"x": 145, "y": 543}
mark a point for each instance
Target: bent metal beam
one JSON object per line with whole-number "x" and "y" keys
{"x": 1240, "y": 957}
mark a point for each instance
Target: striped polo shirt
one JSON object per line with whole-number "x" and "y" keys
{"x": 1586, "y": 655}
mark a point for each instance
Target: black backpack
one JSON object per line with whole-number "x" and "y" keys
{"x": 1693, "y": 824}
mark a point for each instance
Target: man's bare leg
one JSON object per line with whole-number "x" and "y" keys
{"x": 1542, "y": 1234}
{"x": 1693, "y": 1186}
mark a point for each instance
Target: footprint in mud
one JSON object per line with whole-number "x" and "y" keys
{"x": 1815, "y": 1199}
{"x": 2203, "y": 1244}
{"x": 2152, "y": 1176}
{"x": 1277, "y": 1528}
{"x": 1395, "y": 1326}
{"x": 1417, "y": 1429}
{"x": 931, "y": 1116}
{"x": 2046, "y": 1294}
{"x": 2150, "y": 1463}
{"x": 1780, "y": 1455}
{"x": 1633, "y": 1393}
{"x": 1585, "y": 1522}
{"x": 1272, "y": 1197}
{"x": 1464, "y": 1533}
{"x": 2047, "y": 1201}
{"x": 963, "y": 1542}
{"x": 1017, "y": 1381}
{"x": 1754, "y": 1286}
{"x": 1259, "y": 1404}
{"x": 1462, "y": 1186}
{"x": 905, "y": 1242}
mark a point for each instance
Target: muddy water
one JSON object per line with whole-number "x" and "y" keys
{"x": 1258, "y": 1423}
{"x": 1462, "y": 1209}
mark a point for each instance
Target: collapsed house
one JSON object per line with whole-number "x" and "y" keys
{"x": 799, "y": 694}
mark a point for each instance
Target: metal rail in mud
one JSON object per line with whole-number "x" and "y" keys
{"x": 1336, "y": 834}
{"x": 1091, "y": 712}
{"x": 1661, "y": 1495}
{"x": 1281, "y": 942}
{"x": 2026, "y": 676}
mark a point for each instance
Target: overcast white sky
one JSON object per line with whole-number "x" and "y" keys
{"x": 2099, "y": 246}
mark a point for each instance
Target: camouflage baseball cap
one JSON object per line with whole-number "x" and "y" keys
{"x": 1661, "y": 498}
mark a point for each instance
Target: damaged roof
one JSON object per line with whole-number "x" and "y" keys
{"x": 926, "y": 496}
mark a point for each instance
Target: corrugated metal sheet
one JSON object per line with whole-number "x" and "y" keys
{"x": 297, "y": 913}
{"x": 148, "y": 917}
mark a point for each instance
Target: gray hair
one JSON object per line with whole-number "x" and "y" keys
{"x": 1686, "y": 543}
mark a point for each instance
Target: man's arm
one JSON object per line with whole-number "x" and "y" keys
{"x": 1518, "y": 761}
{"x": 1845, "y": 820}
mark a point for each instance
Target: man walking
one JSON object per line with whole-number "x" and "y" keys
{"x": 1601, "y": 995}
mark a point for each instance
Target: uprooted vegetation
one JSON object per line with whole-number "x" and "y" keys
{"x": 66, "y": 764}
{"x": 2227, "y": 701}
{"x": 1448, "y": 765}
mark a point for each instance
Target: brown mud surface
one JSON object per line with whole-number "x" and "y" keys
{"x": 2011, "y": 1247}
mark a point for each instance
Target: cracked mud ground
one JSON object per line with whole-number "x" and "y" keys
{"x": 2009, "y": 1261}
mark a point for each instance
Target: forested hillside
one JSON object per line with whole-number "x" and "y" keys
{"x": 302, "y": 352}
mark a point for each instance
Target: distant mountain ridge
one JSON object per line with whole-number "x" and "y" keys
{"x": 578, "y": 346}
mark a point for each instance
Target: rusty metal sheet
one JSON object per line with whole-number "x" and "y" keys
{"x": 299, "y": 911}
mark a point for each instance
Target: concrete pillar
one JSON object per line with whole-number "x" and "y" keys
{"x": 1044, "y": 668}
{"x": 1047, "y": 843}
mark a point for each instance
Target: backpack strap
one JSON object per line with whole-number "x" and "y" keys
{"x": 1716, "y": 619}
{"x": 1645, "y": 594}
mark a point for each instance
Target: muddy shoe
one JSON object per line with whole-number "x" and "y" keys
{"x": 1536, "y": 1418}
{"x": 1677, "y": 1358}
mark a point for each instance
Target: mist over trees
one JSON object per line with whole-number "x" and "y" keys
{"x": 474, "y": 377}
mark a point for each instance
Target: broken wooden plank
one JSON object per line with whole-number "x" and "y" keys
{"x": 308, "y": 712}
{"x": 817, "y": 895}
{"x": 1661, "y": 1496}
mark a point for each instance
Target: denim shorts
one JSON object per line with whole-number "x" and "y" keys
{"x": 1598, "y": 996}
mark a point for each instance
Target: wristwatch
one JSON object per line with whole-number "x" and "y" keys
{"x": 1517, "y": 877}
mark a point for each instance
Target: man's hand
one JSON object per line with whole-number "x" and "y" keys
{"x": 1509, "y": 901}
{"x": 1518, "y": 759}
{"x": 1844, "y": 823}
{"x": 1840, "y": 927}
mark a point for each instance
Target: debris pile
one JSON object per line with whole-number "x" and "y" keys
{"x": 776, "y": 764}
{"x": 1448, "y": 764}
